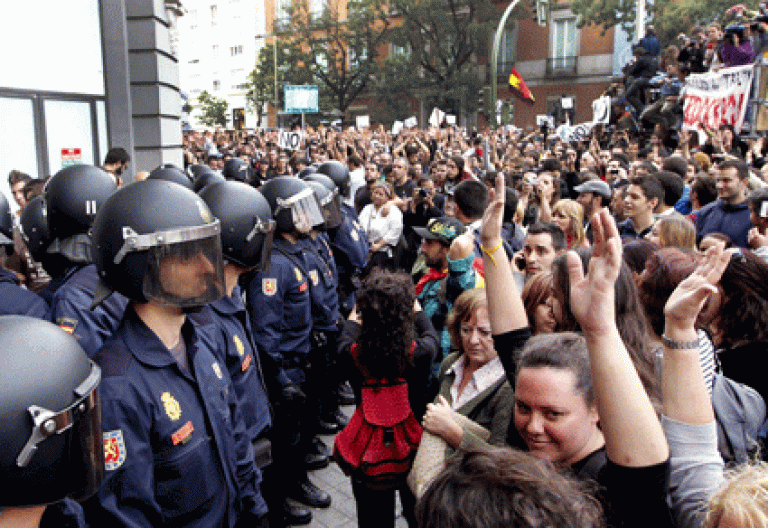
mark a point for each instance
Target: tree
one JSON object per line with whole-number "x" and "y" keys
{"x": 260, "y": 85}
{"x": 670, "y": 17}
{"x": 440, "y": 41}
{"x": 213, "y": 110}
{"x": 340, "y": 45}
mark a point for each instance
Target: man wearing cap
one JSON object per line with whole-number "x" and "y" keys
{"x": 448, "y": 251}
{"x": 593, "y": 196}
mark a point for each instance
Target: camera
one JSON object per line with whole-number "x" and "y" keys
{"x": 422, "y": 193}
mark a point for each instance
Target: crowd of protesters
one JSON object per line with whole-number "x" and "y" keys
{"x": 600, "y": 306}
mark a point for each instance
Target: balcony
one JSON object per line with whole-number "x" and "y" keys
{"x": 562, "y": 66}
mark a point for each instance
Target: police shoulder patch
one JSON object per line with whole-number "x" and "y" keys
{"x": 67, "y": 324}
{"x": 269, "y": 286}
{"x": 354, "y": 235}
{"x": 314, "y": 276}
{"x": 299, "y": 276}
{"x": 114, "y": 449}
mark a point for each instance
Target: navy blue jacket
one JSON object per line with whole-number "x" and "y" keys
{"x": 281, "y": 310}
{"x": 720, "y": 217}
{"x": 15, "y": 300}
{"x": 350, "y": 240}
{"x": 175, "y": 446}
{"x": 71, "y": 309}
{"x": 323, "y": 282}
{"x": 238, "y": 352}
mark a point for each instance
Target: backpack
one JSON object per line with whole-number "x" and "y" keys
{"x": 378, "y": 445}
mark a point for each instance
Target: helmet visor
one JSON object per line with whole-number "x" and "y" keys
{"x": 306, "y": 211}
{"x": 79, "y": 473}
{"x": 187, "y": 273}
{"x": 332, "y": 211}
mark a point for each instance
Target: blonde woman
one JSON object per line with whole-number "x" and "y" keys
{"x": 673, "y": 231}
{"x": 568, "y": 215}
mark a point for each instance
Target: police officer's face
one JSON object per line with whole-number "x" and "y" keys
{"x": 187, "y": 277}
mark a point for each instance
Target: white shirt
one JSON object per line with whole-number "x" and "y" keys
{"x": 376, "y": 226}
{"x": 481, "y": 379}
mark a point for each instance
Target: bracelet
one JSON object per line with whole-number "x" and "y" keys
{"x": 490, "y": 252}
{"x": 680, "y": 345}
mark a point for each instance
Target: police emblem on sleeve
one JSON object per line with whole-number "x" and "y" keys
{"x": 114, "y": 449}
{"x": 354, "y": 235}
{"x": 269, "y": 286}
{"x": 217, "y": 370}
{"x": 172, "y": 407}
{"x": 299, "y": 276}
{"x": 314, "y": 276}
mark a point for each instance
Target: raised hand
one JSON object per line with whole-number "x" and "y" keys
{"x": 687, "y": 301}
{"x": 490, "y": 228}
{"x": 592, "y": 297}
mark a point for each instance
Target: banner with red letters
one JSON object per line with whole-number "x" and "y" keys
{"x": 714, "y": 98}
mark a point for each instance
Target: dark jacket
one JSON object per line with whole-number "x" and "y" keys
{"x": 721, "y": 217}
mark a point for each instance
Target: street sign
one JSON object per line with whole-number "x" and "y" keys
{"x": 301, "y": 99}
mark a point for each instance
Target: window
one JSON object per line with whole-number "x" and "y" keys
{"x": 236, "y": 50}
{"x": 316, "y": 9}
{"x": 216, "y": 85}
{"x": 215, "y": 52}
{"x": 401, "y": 51}
{"x": 282, "y": 15}
{"x": 506, "y": 52}
{"x": 564, "y": 44}
{"x": 214, "y": 12}
{"x": 354, "y": 59}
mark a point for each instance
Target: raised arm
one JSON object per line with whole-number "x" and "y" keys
{"x": 505, "y": 306}
{"x": 633, "y": 434}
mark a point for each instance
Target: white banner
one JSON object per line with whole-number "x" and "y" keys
{"x": 712, "y": 99}
{"x": 436, "y": 118}
{"x": 579, "y": 132}
{"x": 289, "y": 140}
{"x": 601, "y": 110}
{"x": 411, "y": 122}
{"x": 397, "y": 126}
{"x": 362, "y": 122}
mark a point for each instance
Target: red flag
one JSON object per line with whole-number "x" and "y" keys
{"x": 519, "y": 87}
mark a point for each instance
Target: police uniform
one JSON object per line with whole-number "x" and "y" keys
{"x": 350, "y": 250}
{"x": 15, "y": 300}
{"x": 175, "y": 447}
{"x": 280, "y": 309}
{"x": 71, "y": 309}
{"x": 323, "y": 280}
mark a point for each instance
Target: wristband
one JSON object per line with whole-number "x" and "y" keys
{"x": 490, "y": 252}
{"x": 680, "y": 345}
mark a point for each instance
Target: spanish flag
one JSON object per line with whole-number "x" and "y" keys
{"x": 519, "y": 87}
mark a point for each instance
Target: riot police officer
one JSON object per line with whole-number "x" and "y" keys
{"x": 13, "y": 298}
{"x": 72, "y": 198}
{"x": 247, "y": 232}
{"x": 50, "y": 425}
{"x": 175, "y": 445}
{"x": 280, "y": 308}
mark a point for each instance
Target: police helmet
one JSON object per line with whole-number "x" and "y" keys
{"x": 34, "y": 228}
{"x": 329, "y": 199}
{"x": 237, "y": 169}
{"x": 339, "y": 173}
{"x": 293, "y": 203}
{"x": 246, "y": 220}
{"x": 149, "y": 251}
{"x": 50, "y": 416}
{"x": 194, "y": 171}
{"x": 6, "y": 222}
{"x": 306, "y": 171}
{"x": 73, "y": 196}
{"x": 171, "y": 173}
{"x": 206, "y": 178}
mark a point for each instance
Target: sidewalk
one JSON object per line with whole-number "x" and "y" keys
{"x": 342, "y": 513}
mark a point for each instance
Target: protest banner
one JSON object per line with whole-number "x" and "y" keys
{"x": 290, "y": 140}
{"x": 714, "y": 98}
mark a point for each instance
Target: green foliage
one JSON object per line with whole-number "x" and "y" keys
{"x": 213, "y": 110}
{"x": 442, "y": 39}
{"x": 339, "y": 49}
{"x": 670, "y": 17}
{"x": 260, "y": 85}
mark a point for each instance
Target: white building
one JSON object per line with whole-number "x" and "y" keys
{"x": 217, "y": 49}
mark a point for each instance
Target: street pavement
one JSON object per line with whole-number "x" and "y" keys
{"x": 342, "y": 512}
